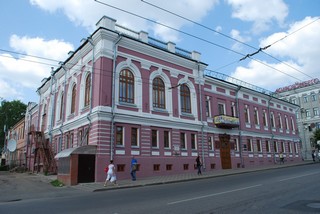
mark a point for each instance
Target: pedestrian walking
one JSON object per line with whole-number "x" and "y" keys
{"x": 133, "y": 168}
{"x": 199, "y": 165}
{"x": 281, "y": 158}
{"x": 313, "y": 155}
{"x": 111, "y": 174}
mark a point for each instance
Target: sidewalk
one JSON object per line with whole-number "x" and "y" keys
{"x": 98, "y": 186}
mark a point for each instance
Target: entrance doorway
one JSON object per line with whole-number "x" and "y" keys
{"x": 225, "y": 151}
{"x": 86, "y": 168}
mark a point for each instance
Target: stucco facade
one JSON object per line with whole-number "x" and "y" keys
{"x": 307, "y": 96}
{"x": 124, "y": 94}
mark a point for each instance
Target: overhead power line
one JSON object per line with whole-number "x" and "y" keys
{"x": 229, "y": 37}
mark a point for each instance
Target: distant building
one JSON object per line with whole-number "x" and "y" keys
{"x": 123, "y": 94}
{"x": 16, "y": 153}
{"x": 307, "y": 96}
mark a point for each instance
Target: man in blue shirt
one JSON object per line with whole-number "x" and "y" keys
{"x": 134, "y": 166}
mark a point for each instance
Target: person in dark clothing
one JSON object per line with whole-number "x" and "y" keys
{"x": 199, "y": 164}
{"x": 313, "y": 156}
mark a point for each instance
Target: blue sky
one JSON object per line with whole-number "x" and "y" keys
{"x": 37, "y": 34}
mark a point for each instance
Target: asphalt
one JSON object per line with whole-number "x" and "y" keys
{"x": 22, "y": 185}
{"x": 99, "y": 186}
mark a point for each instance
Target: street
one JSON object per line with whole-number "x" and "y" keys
{"x": 283, "y": 190}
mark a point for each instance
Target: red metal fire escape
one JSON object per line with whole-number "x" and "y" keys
{"x": 43, "y": 155}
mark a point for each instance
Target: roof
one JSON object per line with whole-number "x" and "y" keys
{"x": 87, "y": 149}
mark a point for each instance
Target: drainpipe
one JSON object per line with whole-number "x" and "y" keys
{"x": 201, "y": 118}
{"x": 64, "y": 97}
{"x": 271, "y": 131}
{"x": 113, "y": 94}
{"x": 240, "y": 133}
{"x": 90, "y": 40}
{"x": 51, "y": 105}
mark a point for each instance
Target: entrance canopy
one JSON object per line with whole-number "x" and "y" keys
{"x": 87, "y": 149}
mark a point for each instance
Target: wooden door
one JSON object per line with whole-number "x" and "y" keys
{"x": 225, "y": 151}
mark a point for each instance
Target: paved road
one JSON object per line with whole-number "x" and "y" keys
{"x": 286, "y": 190}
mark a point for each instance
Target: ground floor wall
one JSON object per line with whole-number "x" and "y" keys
{"x": 166, "y": 151}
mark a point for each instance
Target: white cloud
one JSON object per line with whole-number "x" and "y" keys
{"x": 299, "y": 50}
{"x": 87, "y": 13}
{"x": 27, "y": 71}
{"x": 261, "y": 12}
{"x": 7, "y": 90}
{"x": 236, "y": 35}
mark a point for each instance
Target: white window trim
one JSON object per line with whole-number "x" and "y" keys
{"x": 168, "y": 93}
{"x": 193, "y": 97}
{"x": 137, "y": 82}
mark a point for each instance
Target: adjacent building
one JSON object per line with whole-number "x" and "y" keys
{"x": 307, "y": 96}
{"x": 123, "y": 94}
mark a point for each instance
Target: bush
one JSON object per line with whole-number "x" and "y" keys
{"x": 57, "y": 183}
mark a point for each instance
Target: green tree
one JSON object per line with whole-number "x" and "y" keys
{"x": 316, "y": 136}
{"x": 10, "y": 114}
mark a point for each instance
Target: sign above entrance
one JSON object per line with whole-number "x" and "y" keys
{"x": 223, "y": 121}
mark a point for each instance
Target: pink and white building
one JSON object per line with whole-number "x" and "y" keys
{"x": 124, "y": 94}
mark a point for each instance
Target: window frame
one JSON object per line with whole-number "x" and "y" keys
{"x": 134, "y": 139}
{"x": 119, "y": 136}
{"x": 126, "y": 86}
{"x": 154, "y": 138}
{"x": 87, "y": 95}
{"x": 158, "y": 93}
{"x": 185, "y": 99}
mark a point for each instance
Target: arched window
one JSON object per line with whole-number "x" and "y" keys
{"x": 126, "y": 86}
{"x": 73, "y": 99}
{"x": 158, "y": 93}
{"x": 61, "y": 107}
{"x": 87, "y": 91}
{"x": 185, "y": 99}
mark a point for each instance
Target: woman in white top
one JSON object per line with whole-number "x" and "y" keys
{"x": 111, "y": 174}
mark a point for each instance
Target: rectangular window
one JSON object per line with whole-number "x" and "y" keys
{"x": 272, "y": 120}
{"x": 233, "y": 110}
{"x": 283, "y": 148}
{"x": 246, "y": 114}
{"x": 166, "y": 139}
{"x": 256, "y": 116}
{"x": 290, "y": 147}
{"x": 296, "y": 148}
{"x": 308, "y": 113}
{"x": 193, "y": 142}
{"x": 208, "y": 112}
{"x": 264, "y": 118}
{"x": 268, "y": 148}
{"x": 221, "y": 109}
{"x": 279, "y": 121}
{"x": 294, "y": 101}
{"x": 80, "y": 137}
{"x": 305, "y": 99}
{"x": 313, "y": 97}
{"x": 249, "y": 145}
{"x": 134, "y": 137}
{"x": 156, "y": 167}
{"x": 236, "y": 144}
{"x": 275, "y": 146}
{"x": 183, "y": 140}
{"x": 316, "y": 111}
{"x": 286, "y": 123}
{"x": 154, "y": 138}
{"x": 210, "y": 143}
{"x": 119, "y": 136}
{"x": 259, "y": 147}
{"x": 292, "y": 124}
{"x": 169, "y": 167}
